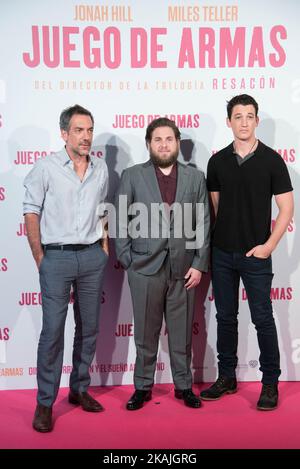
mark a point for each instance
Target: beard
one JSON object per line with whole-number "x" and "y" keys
{"x": 164, "y": 162}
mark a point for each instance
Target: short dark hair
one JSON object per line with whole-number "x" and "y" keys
{"x": 161, "y": 122}
{"x": 244, "y": 100}
{"x": 69, "y": 112}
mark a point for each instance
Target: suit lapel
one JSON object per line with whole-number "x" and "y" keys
{"x": 150, "y": 178}
{"x": 181, "y": 182}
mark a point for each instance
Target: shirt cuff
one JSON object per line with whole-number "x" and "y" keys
{"x": 29, "y": 208}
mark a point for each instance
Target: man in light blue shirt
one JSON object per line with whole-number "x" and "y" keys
{"x": 63, "y": 209}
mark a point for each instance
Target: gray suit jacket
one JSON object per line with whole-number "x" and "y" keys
{"x": 142, "y": 241}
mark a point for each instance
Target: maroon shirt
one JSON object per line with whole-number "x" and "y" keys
{"x": 167, "y": 184}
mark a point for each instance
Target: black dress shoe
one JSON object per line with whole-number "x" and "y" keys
{"x": 42, "y": 421}
{"x": 268, "y": 398}
{"x": 222, "y": 386}
{"x": 87, "y": 402}
{"x": 189, "y": 397}
{"x": 138, "y": 398}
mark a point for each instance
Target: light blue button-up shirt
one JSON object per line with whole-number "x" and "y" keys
{"x": 70, "y": 210}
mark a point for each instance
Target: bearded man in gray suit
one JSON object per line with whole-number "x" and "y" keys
{"x": 164, "y": 253}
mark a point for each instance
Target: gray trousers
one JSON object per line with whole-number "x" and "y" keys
{"x": 154, "y": 297}
{"x": 58, "y": 271}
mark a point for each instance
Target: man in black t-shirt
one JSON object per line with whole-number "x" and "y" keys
{"x": 241, "y": 180}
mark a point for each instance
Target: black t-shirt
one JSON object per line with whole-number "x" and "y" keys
{"x": 244, "y": 212}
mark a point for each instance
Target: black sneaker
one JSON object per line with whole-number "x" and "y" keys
{"x": 222, "y": 386}
{"x": 268, "y": 398}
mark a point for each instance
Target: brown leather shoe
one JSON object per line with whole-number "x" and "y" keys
{"x": 42, "y": 421}
{"x": 87, "y": 402}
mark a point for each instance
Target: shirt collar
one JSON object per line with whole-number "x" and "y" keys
{"x": 65, "y": 159}
{"x": 161, "y": 175}
{"x": 240, "y": 159}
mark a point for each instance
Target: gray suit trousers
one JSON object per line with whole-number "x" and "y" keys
{"x": 154, "y": 297}
{"x": 58, "y": 271}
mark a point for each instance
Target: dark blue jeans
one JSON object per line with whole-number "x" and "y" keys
{"x": 227, "y": 270}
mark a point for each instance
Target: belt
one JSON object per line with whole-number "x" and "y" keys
{"x": 68, "y": 247}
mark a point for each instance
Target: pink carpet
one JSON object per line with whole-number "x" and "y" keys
{"x": 163, "y": 423}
